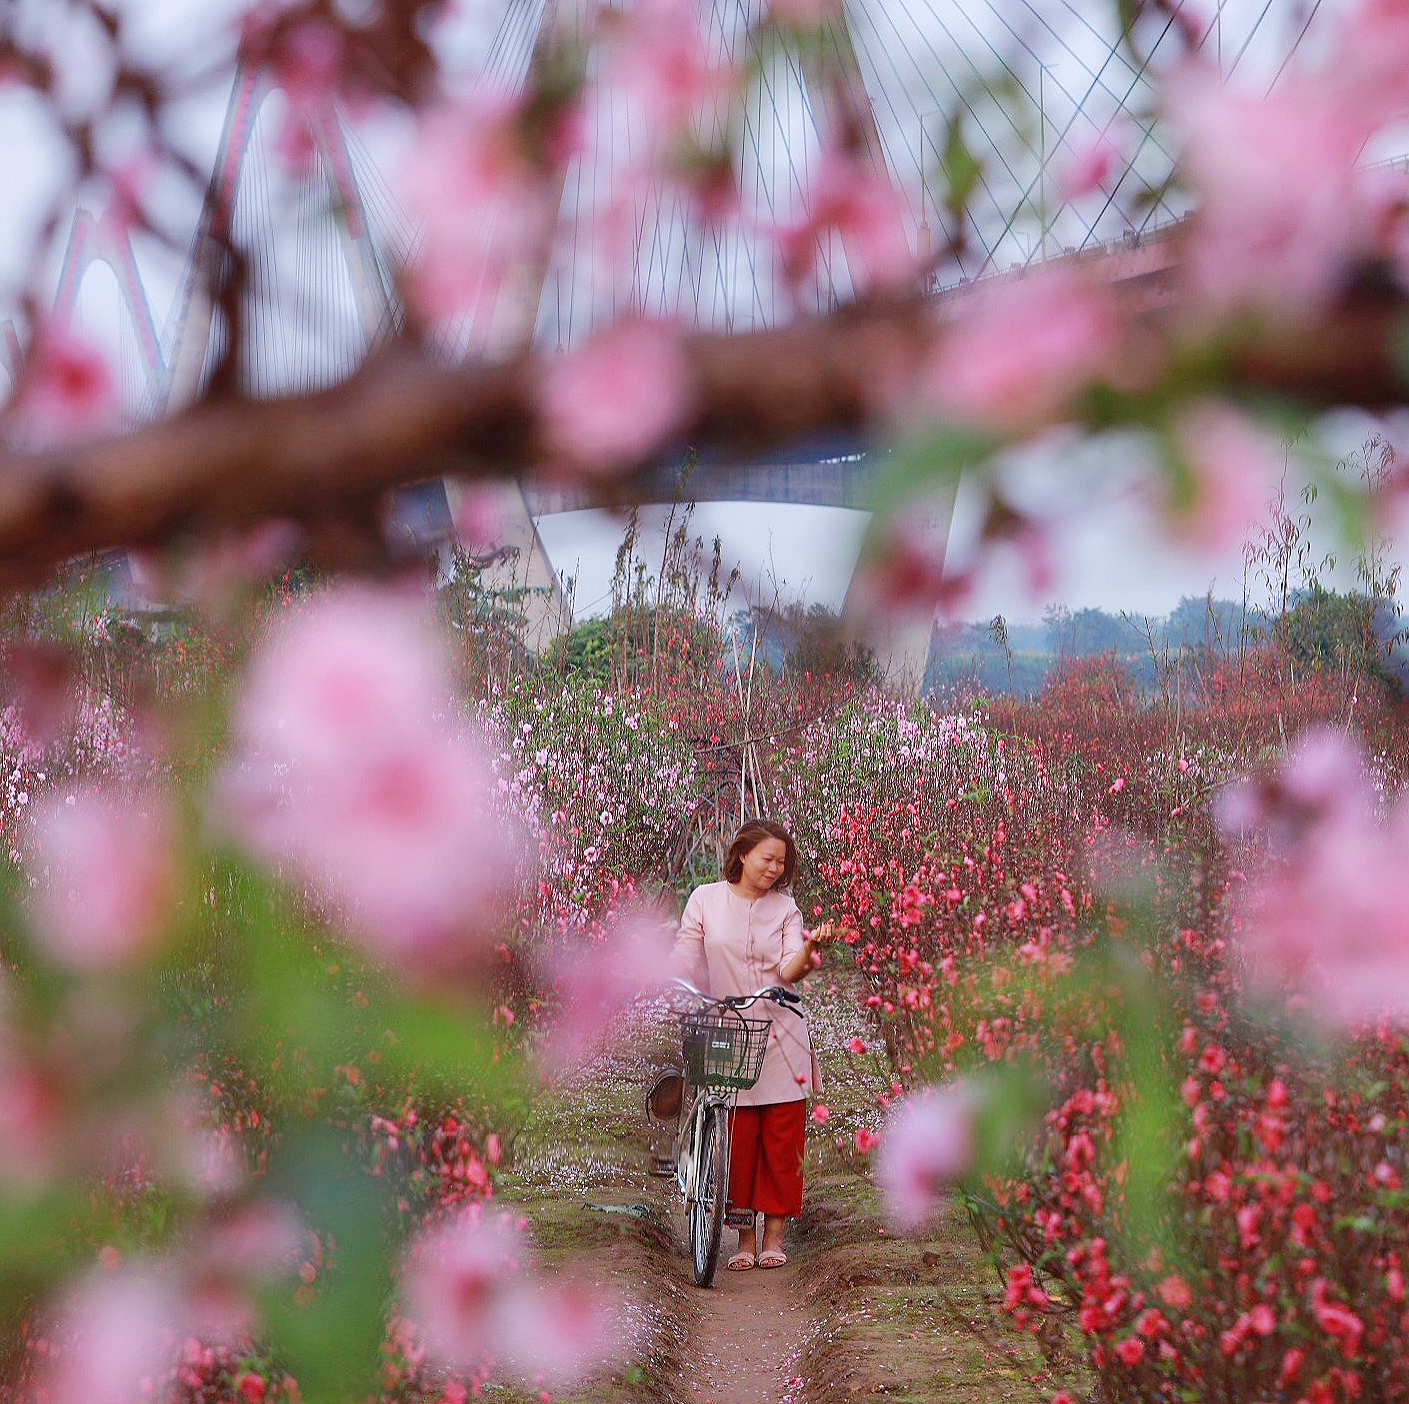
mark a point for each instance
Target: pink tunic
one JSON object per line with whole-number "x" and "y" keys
{"x": 728, "y": 945}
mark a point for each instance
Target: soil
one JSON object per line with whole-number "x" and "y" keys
{"x": 747, "y": 1339}
{"x": 854, "y": 1313}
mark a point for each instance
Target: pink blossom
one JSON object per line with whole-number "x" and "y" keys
{"x": 612, "y": 402}
{"x": 561, "y": 1331}
{"x": 458, "y": 1277}
{"x": 250, "y": 1248}
{"x": 661, "y": 69}
{"x": 481, "y": 203}
{"x": 129, "y": 182}
{"x": 926, "y": 1144}
{"x": 853, "y": 200}
{"x": 1370, "y": 59}
{"x": 308, "y": 60}
{"x": 354, "y": 772}
{"x": 1321, "y": 781}
{"x": 104, "y": 871}
{"x": 219, "y": 571}
{"x": 249, "y": 1386}
{"x": 865, "y": 1141}
{"x": 907, "y": 569}
{"x": 204, "y": 1159}
{"x": 470, "y": 1290}
{"x": 1019, "y": 351}
{"x": 1087, "y": 168}
{"x": 1130, "y": 1349}
{"x": 113, "y": 1332}
{"x": 1310, "y": 923}
{"x": 1227, "y": 471}
{"x": 596, "y": 982}
{"x": 1335, "y": 1319}
{"x": 477, "y": 514}
{"x": 69, "y": 390}
{"x": 344, "y": 672}
{"x": 1275, "y": 175}
{"x": 821, "y": 1114}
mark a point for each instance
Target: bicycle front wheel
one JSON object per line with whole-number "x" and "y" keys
{"x": 711, "y": 1189}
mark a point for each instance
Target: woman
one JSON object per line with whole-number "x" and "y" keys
{"x": 735, "y": 937}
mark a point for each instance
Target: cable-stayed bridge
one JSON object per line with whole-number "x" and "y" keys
{"x": 1022, "y": 90}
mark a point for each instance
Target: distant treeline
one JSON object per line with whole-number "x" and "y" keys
{"x": 1319, "y": 630}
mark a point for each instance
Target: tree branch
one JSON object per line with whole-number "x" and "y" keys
{"x": 403, "y": 417}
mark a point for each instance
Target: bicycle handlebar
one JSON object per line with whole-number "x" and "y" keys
{"x": 783, "y": 998}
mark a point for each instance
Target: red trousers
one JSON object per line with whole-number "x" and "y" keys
{"x": 765, "y": 1160}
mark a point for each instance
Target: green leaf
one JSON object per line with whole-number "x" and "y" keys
{"x": 930, "y": 461}
{"x": 332, "y": 1338}
{"x": 960, "y": 166}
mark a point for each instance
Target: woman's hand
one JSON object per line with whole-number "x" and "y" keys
{"x": 809, "y": 957}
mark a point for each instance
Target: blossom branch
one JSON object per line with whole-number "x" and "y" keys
{"x": 403, "y": 417}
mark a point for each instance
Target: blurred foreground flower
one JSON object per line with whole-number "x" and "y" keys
{"x": 470, "y": 1290}
{"x": 1020, "y": 350}
{"x": 851, "y": 200}
{"x": 596, "y": 983}
{"x": 1229, "y": 470}
{"x": 353, "y": 771}
{"x": 616, "y": 399}
{"x": 104, "y": 873}
{"x": 1322, "y": 919}
{"x": 926, "y": 1145}
{"x": 472, "y": 185}
{"x": 115, "y": 1332}
{"x": 1280, "y": 217}
{"x": 70, "y": 390}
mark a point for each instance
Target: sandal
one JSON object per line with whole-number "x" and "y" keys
{"x": 741, "y": 1261}
{"x": 772, "y": 1258}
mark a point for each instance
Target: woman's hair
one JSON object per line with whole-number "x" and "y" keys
{"x": 753, "y": 832}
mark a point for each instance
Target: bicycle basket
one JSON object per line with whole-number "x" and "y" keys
{"x": 724, "y": 1050}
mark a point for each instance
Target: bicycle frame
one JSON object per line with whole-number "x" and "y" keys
{"x": 686, "y": 1170}
{"x": 702, "y": 1147}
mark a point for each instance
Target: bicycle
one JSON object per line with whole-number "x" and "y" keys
{"x": 722, "y": 1055}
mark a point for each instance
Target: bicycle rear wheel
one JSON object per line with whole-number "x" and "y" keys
{"x": 706, "y": 1210}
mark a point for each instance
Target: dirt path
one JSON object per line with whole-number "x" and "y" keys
{"x": 747, "y": 1339}
{"x": 854, "y": 1313}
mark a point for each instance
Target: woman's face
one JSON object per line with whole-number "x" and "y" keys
{"x": 763, "y": 864}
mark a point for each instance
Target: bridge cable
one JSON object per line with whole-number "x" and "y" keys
{"x": 1252, "y": 34}
{"x": 966, "y": 102}
{"x": 1148, "y": 137}
{"x": 1276, "y": 77}
{"x": 1122, "y": 106}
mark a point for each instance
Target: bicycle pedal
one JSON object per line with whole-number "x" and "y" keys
{"x": 738, "y": 1218}
{"x": 662, "y": 1167}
